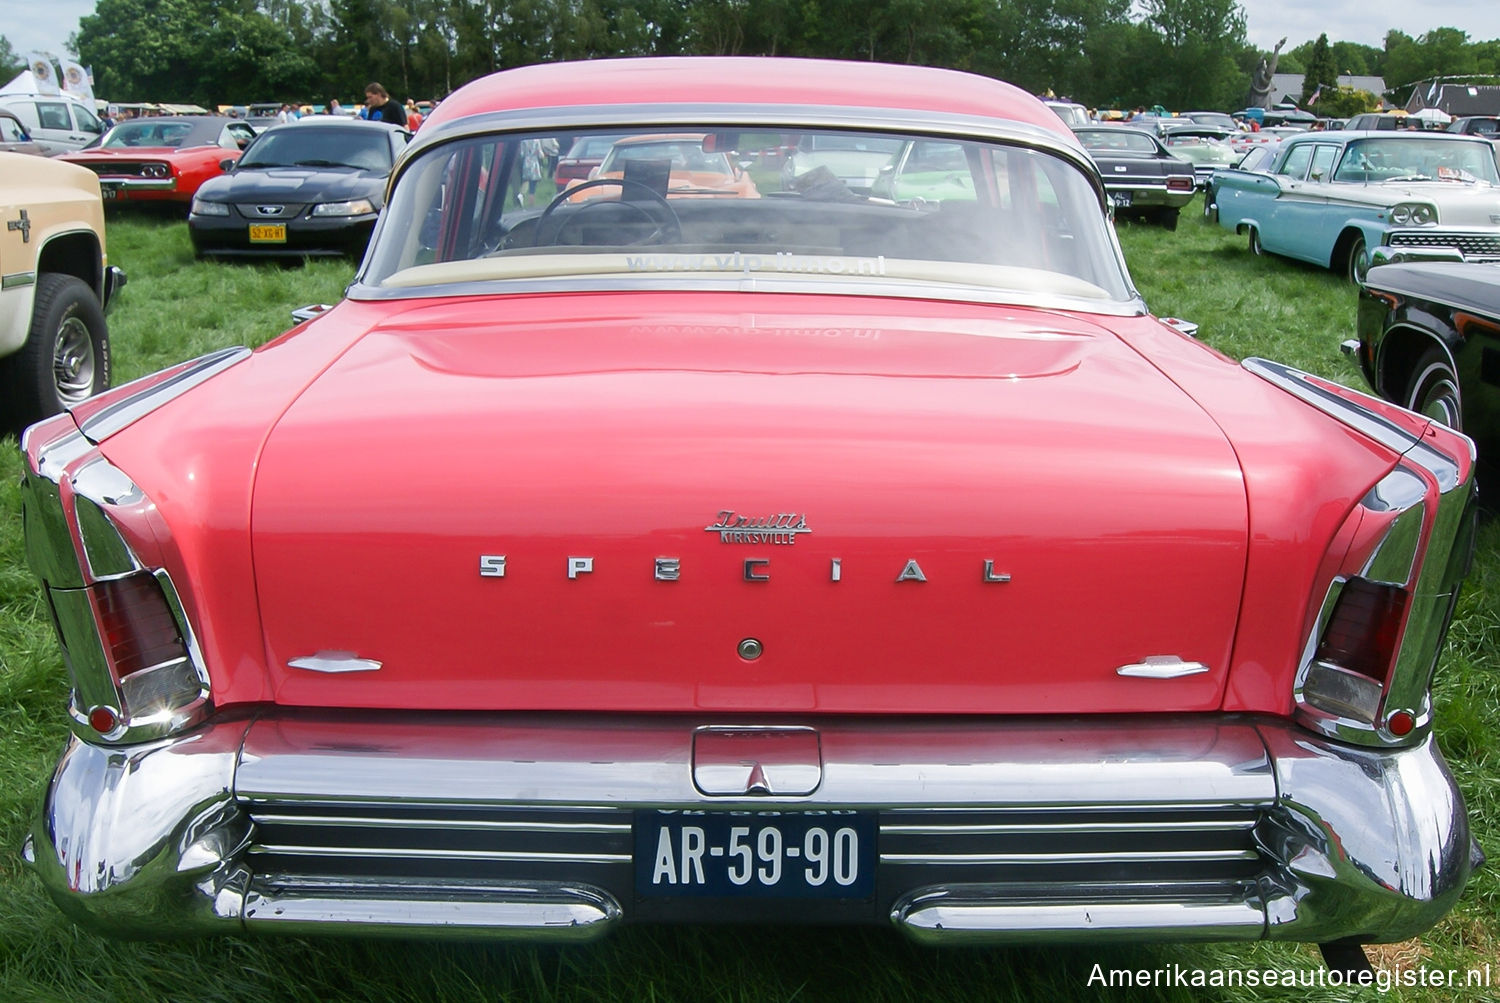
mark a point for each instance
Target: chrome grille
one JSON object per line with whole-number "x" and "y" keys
{"x": 1473, "y": 245}
{"x": 302, "y": 844}
{"x": 1083, "y": 848}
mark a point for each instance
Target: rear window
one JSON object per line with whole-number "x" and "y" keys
{"x": 695, "y": 204}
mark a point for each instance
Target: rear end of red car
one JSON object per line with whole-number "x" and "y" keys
{"x": 790, "y": 578}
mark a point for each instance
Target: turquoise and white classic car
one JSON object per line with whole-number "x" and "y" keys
{"x": 1336, "y": 198}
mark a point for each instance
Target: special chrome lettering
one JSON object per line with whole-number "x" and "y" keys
{"x": 782, "y": 528}
{"x": 754, "y": 569}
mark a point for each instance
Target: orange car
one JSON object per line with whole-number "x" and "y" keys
{"x": 691, "y": 171}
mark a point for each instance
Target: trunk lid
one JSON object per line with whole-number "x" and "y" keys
{"x": 990, "y": 513}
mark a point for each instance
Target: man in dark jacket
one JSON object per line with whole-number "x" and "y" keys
{"x": 382, "y": 108}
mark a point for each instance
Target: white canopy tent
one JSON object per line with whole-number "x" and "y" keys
{"x": 21, "y": 83}
{"x": 1434, "y": 115}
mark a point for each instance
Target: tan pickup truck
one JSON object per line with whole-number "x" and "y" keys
{"x": 55, "y": 283}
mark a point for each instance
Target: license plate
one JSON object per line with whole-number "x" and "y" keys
{"x": 755, "y": 854}
{"x": 1122, "y": 200}
{"x": 268, "y": 233}
{"x": 108, "y": 192}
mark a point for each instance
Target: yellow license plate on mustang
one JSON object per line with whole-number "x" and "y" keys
{"x": 268, "y": 233}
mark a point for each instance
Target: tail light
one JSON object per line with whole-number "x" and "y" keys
{"x": 1179, "y": 184}
{"x": 136, "y": 625}
{"x": 136, "y": 669}
{"x": 1372, "y": 654}
{"x": 1394, "y": 571}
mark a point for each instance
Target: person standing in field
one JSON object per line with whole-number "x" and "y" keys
{"x": 382, "y": 108}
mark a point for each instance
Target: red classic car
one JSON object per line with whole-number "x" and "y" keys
{"x": 823, "y": 556}
{"x": 163, "y": 160}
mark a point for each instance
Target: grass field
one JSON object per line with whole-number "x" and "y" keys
{"x": 175, "y": 308}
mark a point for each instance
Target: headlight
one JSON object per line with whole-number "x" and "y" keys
{"x": 204, "y": 208}
{"x": 357, "y": 207}
{"x": 1413, "y": 214}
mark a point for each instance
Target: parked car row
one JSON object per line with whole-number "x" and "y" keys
{"x": 311, "y": 186}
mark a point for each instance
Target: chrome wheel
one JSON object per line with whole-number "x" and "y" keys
{"x": 1434, "y": 390}
{"x": 1357, "y": 265}
{"x": 73, "y": 361}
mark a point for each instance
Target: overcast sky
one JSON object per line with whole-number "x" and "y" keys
{"x": 1364, "y": 21}
{"x": 46, "y": 24}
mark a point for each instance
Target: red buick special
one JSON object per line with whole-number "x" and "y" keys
{"x": 827, "y": 556}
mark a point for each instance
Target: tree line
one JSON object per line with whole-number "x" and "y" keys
{"x": 1104, "y": 53}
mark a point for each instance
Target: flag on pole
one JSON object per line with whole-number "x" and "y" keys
{"x": 75, "y": 80}
{"x": 41, "y": 68}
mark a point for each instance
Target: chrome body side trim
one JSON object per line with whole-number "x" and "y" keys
{"x": 1362, "y": 419}
{"x": 520, "y": 825}
{"x": 17, "y": 279}
{"x": 151, "y": 392}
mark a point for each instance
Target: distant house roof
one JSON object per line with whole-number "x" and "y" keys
{"x": 1288, "y": 86}
{"x": 1456, "y": 99}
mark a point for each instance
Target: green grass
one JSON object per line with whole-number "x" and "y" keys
{"x": 176, "y": 308}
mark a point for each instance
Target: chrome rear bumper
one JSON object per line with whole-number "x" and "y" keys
{"x": 495, "y": 826}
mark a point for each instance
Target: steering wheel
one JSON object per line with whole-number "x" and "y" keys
{"x": 657, "y": 212}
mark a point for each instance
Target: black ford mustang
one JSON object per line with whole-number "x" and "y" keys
{"x": 311, "y": 187}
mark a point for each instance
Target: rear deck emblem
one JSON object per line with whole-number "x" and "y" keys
{"x": 782, "y": 528}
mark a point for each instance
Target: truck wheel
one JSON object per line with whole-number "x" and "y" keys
{"x": 66, "y": 356}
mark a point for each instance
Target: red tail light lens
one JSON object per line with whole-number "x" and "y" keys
{"x": 1179, "y": 184}
{"x": 136, "y": 624}
{"x": 1364, "y": 629}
